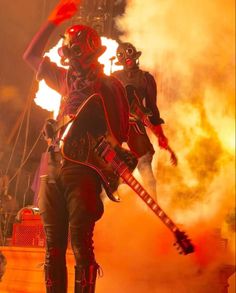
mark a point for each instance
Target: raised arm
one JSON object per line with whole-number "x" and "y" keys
{"x": 64, "y": 10}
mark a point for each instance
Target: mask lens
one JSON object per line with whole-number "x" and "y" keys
{"x": 129, "y": 51}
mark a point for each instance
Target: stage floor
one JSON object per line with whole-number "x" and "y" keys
{"x": 24, "y": 270}
{"x": 24, "y": 274}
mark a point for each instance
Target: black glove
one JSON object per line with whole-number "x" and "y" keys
{"x": 127, "y": 157}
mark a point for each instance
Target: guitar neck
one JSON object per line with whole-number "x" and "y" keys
{"x": 109, "y": 155}
{"x": 130, "y": 180}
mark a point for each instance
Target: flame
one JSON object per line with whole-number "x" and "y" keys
{"x": 109, "y": 57}
{"x": 48, "y": 98}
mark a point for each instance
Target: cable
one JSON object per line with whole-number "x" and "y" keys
{"x": 23, "y": 163}
{"x": 14, "y": 146}
{"x": 25, "y": 141}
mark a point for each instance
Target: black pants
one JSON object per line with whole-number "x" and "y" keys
{"x": 70, "y": 199}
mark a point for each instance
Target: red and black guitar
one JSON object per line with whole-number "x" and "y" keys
{"x": 102, "y": 154}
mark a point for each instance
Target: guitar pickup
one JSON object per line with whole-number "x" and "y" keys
{"x": 105, "y": 151}
{"x": 109, "y": 155}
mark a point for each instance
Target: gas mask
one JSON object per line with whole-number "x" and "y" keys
{"x": 81, "y": 47}
{"x": 127, "y": 56}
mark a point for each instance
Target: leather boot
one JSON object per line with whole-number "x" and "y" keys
{"x": 55, "y": 279}
{"x": 85, "y": 278}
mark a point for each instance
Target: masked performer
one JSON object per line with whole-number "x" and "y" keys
{"x": 142, "y": 96}
{"x": 71, "y": 196}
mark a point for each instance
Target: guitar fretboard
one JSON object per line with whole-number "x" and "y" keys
{"x": 106, "y": 152}
{"x": 143, "y": 194}
{"x": 152, "y": 204}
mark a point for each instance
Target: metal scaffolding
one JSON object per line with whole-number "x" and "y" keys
{"x": 100, "y": 15}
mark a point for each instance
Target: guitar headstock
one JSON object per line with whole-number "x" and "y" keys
{"x": 183, "y": 243}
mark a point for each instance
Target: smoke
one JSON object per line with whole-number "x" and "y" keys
{"x": 189, "y": 46}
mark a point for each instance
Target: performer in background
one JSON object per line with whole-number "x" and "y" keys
{"x": 142, "y": 96}
{"x": 71, "y": 194}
